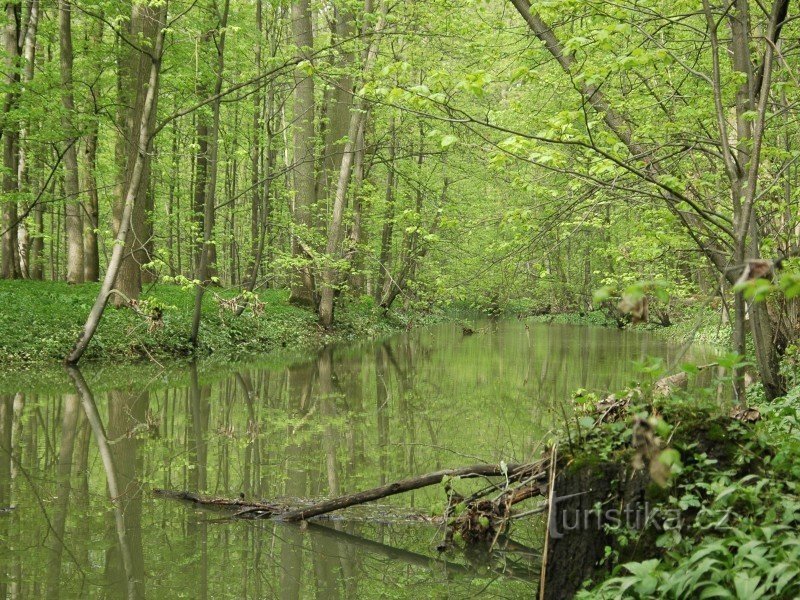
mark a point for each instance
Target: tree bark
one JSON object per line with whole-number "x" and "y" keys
{"x": 332, "y": 272}
{"x": 9, "y": 245}
{"x": 23, "y": 174}
{"x": 134, "y": 67}
{"x": 74, "y": 213}
{"x": 399, "y": 487}
{"x": 91, "y": 253}
{"x": 206, "y": 256}
{"x": 338, "y": 100}
{"x": 304, "y": 137}
{"x": 137, "y": 170}
{"x": 385, "y": 257}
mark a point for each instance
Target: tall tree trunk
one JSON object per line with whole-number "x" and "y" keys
{"x": 255, "y": 151}
{"x": 36, "y": 258}
{"x": 200, "y": 182}
{"x": 173, "y": 226}
{"x": 9, "y": 245}
{"x": 356, "y": 229}
{"x": 338, "y": 100}
{"x": 74, "y": 213}
{"x": 135, "y": 65}
{"x": 304, "y": 138}
{"x": 156, "y": 18}
{"x": 332, "y": 271}
{"x": 91, "y": 221}
{"x": 206, "y": 255}
{"x": 91, "y": 254}
{"x": 23, "y": 175}
{"x": 384, "y": 281}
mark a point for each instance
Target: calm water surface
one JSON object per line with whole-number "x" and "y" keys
{"x": 79, "y": 469}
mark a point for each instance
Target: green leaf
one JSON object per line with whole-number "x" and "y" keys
{"x": 602, "y": 294}
{"x": 448, "y": 141}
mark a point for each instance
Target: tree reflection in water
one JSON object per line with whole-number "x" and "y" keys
{"x": 79, "y": 463}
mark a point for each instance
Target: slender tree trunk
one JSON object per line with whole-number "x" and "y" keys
{"x": 332, "y": 272}
{"x": 338, "y": 101}
{"x": 206, "y": 255}
{"x": 200, "y": 183}
{"x": 384, "y": 281}
{"x": 36, "y": 260}
{"x": 400, "y": 281}
{"x": 9, "y": 245}
{"x": 255, "y": 151}
{"x": 91, "y": 253}
{"x": 74, "y": 212}
{"x": 356, "y": 229}
{"x": 23, "y": 168}
{"x": 336, "y": 227}
{"x": 173, "y": 214}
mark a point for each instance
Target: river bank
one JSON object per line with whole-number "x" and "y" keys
{"x": 717, "y": 487}
{"x": 696, "y": 325}
{"x": 40, "y": 321}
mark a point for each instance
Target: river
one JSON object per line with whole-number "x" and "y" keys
{"x": 348, "y": 418}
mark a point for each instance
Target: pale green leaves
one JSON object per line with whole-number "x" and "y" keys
{"x": 448, "y": 140}
{"x": 635, "y": 292}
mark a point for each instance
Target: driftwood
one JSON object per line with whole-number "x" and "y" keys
{"x": 240, "y": 507}
{"x": 478, "y": 517}
{"x": 406, "y": 485}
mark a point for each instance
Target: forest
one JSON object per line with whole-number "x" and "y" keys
{"x": 268, "y": 204}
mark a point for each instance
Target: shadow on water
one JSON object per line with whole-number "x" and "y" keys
{"x": 77, "y": 466}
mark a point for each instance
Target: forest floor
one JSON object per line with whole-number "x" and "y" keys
{"x": 40, "y": 321}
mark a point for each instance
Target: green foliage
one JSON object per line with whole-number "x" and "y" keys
{"x": 738, "y": 493}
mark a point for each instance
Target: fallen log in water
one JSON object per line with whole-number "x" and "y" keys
{"x": 528, "y": 476}
{"x": 240, "y": 506}
{"x": 406, "y": 485}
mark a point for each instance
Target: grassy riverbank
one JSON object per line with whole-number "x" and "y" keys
{"x": 39, "y": 322}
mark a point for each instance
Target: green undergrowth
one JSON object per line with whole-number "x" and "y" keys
{"x": 734, "y": 486}
{"x": 702, "y": 325}
{"x": 40, "y": 321}
{"x": 595, "y": 317}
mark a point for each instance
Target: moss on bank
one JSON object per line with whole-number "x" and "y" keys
{"x": 40, "y": 321}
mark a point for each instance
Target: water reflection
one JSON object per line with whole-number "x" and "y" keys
{"x": 78, "y": 465}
